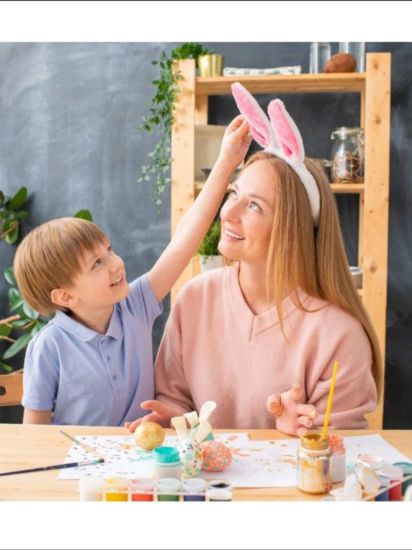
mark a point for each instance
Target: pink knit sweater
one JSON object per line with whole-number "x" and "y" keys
{"x": 215, "y": 348}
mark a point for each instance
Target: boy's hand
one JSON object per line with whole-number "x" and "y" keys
{"x": 161, "y": 413}
{"x": 292, "y": 417}
{"x": 235, "y": 142}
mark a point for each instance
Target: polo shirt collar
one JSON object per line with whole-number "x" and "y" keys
{"x": 84, "y": 333}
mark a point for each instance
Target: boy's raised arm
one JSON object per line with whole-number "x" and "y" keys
{"x": 196, "y": 221}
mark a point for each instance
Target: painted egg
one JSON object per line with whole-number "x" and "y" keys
{"x": 216, "y": 456}
{"x": 149, "y": 435}
{"x": 191, "y": 457}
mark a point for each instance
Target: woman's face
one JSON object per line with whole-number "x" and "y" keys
{"x": 248, "y": 213}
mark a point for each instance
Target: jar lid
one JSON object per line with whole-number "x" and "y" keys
{"x": 392, "y": 472}
{"x": 219, "y": 494}
{"x": 116, "y": 483}
{"x": 406, "y": 467}
{"x": 168, "y": 485}
{"x": 220, "y": 484}
{"x": 166, "y": 455}
{"x": 315, "y": 441}
{"x": 195, "y": 485}
{"x": 90, "y": 484}
{"x": 142, "y": 484}
{"x": 344, "y": 131}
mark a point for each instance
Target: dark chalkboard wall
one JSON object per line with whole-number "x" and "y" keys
{"x": 69, "y": 116}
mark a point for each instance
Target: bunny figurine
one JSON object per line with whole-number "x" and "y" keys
{"x": 190, "y": 441}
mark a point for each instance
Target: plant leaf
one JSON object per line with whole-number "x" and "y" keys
{"x": 5, "y": 330}
{"x": 19, "y": 198}
{"x": 84, "y": 215}
{"x": 6, "y": 367}
{"x": 31, "y": 313}
{"x": 9, "y": 276}
{"x": 18, "y": 345}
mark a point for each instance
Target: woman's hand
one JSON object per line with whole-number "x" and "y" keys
{"x": 161, "y": 414}
{"x": 292, "y": 417}
{"x": 235, "y": 142}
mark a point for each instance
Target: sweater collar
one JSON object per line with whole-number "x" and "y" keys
{"x": 257, "y": 324}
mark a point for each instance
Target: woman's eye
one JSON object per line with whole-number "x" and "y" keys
{"x": 231, "y": 194}
{"x": 254, "y": 206}
{"x": 109, "y": 249}
{"x": 97, "y": 263}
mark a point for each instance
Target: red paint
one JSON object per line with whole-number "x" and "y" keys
{"x": 142, "y": 497}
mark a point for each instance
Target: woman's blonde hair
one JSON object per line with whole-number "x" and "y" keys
{"x": 313, "y": 259}
{"x": 50, "y": 257}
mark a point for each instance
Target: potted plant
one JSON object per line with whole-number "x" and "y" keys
{"x": 208, "y": 252}
{"x": 157, "y": 170}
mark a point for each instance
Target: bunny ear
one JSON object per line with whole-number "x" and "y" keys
{"x": 179, "y": 424}
{"x": 287, "y": 133}
{"x": 260, "y": 127}
{"x": 206, "y": 410}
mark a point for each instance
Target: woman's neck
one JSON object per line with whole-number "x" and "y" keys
{"x": 252, "y": 281}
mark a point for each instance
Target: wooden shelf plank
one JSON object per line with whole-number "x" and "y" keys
{"x": 341, "y": 188}
{"x": 315, "y": 83}
{"x": 348, "y": 188}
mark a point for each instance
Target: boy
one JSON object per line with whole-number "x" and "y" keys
{"x": 92, "y": 364}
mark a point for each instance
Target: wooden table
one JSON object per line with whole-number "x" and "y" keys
{"x": 23, "y": 446}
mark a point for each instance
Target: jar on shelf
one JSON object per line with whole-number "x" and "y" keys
{"x": 347, "y": 155}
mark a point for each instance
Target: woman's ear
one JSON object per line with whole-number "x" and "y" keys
{"x": 287, "y": 133}
{"x": 63, "y": 298}
{"x": 259, "y": 123}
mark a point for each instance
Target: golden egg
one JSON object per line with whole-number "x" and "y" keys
{"x": 149, "y": 435}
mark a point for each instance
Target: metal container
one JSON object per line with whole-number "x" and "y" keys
{"x": 210, "y": 64}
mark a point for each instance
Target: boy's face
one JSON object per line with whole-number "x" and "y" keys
{"x": 101, "y": 281}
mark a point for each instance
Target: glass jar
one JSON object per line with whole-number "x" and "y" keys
{"x": 347, "y": 155}
{"x": 313, "y": 464}
{"x": 166, "y": 463}
{"x": 319, "y": 55}
{"x": 357, "y": 49}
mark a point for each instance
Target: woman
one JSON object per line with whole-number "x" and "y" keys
{"x": 277, "y": 319}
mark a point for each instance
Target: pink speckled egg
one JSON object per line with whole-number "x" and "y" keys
{"x": 216, "y": 456}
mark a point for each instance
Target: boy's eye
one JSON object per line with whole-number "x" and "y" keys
{"x": 109, "y": 248}
{"x": 231, "y": 194}
{"x": 97, "y": 263}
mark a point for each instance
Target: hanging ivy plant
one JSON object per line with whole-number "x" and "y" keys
{"x": 157, "y": 169}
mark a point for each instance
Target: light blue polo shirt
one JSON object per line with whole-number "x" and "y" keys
{"x": 94, "y": 379}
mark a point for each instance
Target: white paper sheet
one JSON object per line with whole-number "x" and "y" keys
{"x": 255, "y": 463}
{"x": 123, "y": 458}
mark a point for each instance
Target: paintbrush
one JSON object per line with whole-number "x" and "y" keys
{"x": 83, "y": 445}
{"x": 54, "y": 467}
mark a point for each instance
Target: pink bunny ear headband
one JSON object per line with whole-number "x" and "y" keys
{"x": 279, "y": 136}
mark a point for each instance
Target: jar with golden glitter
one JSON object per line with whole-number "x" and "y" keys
{"x": 313, "y": 464}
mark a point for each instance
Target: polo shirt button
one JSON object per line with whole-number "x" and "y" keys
{"x": 114, "y": 377}
{"x": 108, "y": 357}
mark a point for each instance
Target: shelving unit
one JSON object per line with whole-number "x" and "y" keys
{"x": 373, "y": 87}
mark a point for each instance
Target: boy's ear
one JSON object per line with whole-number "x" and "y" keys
{"x": 63, "y": 298}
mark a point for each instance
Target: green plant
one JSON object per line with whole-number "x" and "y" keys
{"x": 11, "y": 215}
{"x": 23, "y": 323}
{"x": 210, "y": 241}
{"x": 157, "y": 170}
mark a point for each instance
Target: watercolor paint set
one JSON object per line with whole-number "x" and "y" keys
{"x": 168, "y": 489}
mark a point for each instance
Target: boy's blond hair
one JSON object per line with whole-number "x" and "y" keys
{"x": 50, "y": 257}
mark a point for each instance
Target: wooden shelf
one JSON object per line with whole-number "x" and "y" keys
{"x": 297, "y": 83}
{"x": 373, "y": 87}
{"x": 349, "y": 188}
{"x": 339, "y": 188}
